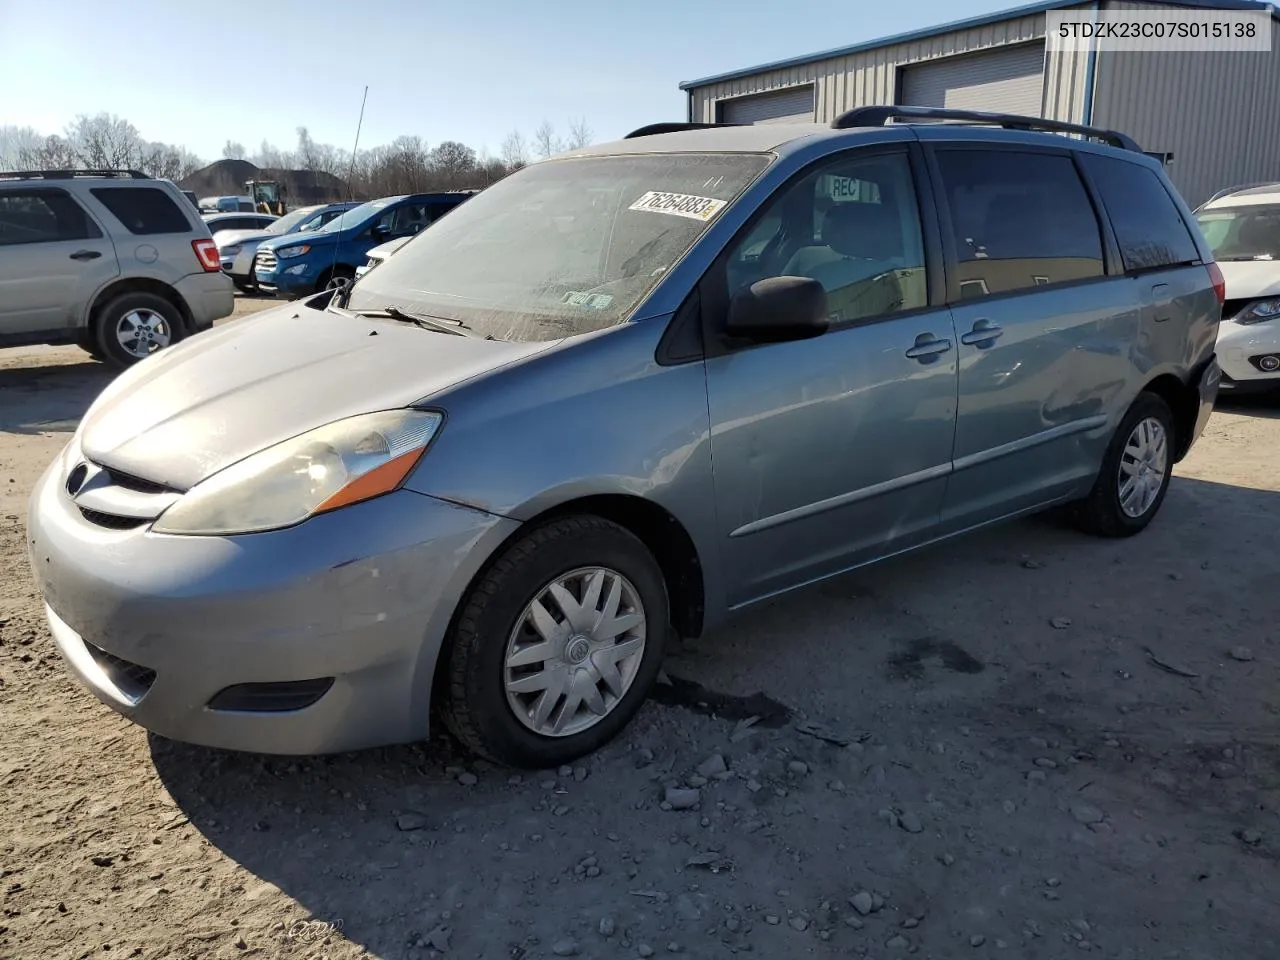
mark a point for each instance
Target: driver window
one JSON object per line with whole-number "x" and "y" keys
{"x": 854, "y": 227}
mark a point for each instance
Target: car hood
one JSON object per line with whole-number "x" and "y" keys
{"x": 313, "y": 238}
{"x": 225, "y": 238}
{"x": 1247, "y": 279}
{"x": 196, "y": 407}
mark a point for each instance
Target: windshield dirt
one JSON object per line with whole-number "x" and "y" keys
{"x": 1242, "y": 233}
{"x": 560, "y": 248}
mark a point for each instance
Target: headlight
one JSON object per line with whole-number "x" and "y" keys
{"x": 335, "y": 465}
{"x": 230, "y": 251}
{"x": 1258, "y": 311}
{"x": 286, "y": 253}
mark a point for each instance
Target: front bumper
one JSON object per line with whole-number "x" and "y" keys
{"x": 1237, "y": 343}
{"x": 209, "y": 297}
{"x": 362, "y": 595}
{"x": 289, "y": 278}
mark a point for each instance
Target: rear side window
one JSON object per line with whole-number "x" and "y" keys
{"x": 1018, "y": 220}
{"x": 43, "y": 216}
{"x": 1148, "y": 227}
{"x": 143, "y": 210}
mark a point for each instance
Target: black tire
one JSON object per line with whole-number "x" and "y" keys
{"x": 475, "y": 706}
{"x": 114, "y": 313}
{"x": 341, "y": 273}
{"x": 88, "y": 342}
{"x": 1101, "y": 512}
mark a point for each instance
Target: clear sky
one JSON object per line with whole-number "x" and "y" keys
{"x": 197, "y": 74}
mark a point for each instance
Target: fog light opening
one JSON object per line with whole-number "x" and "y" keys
{"x": 1269, "y": 363}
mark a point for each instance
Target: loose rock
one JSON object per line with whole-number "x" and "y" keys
{"x": 712, "y": 766}
{"x": 607, "y": 926}
{"x": 1086, "y": 814}
{"x": 468, "y": 779}
{"x": 565, "y": 948}
{"x": 898, "y": 943}
{"x": 1243, "y": 654}
{"x": 799, "y": 923}
{"x": 977, "y": 940}
{"x": 863, "y": 902}
{"x": 681, "y": 798}
{"x": 798, "y": 767}
{"x": 438, "y": 939}
{"x": 1060, "y": 623}
{"x": 411, "y": 821}
{"x": 644, "y": 950}
{"x": 910, "y": 823}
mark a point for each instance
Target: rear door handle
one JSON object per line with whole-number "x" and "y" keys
{"x": 928, "y": 348}
{"x": 86, "y": 255}
{"x": 983, "y": 334}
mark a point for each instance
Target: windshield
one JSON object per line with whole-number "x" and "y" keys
{"x": 356, "y": 215}
{"x": 1242, "y": 233}
{"x": 560, "y": 248}
{"x": 290, "y": 220}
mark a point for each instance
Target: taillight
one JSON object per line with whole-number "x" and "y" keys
{"x": 1219, "y": 282}
{"x": 207, "y": 254}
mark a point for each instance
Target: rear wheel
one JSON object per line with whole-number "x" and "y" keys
{"x": 135, "y": 325}
{"x": 1135, "y": 472}
{"x": 557, "y": 644}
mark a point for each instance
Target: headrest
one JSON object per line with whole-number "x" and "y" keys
{"x": 870, "y": 230}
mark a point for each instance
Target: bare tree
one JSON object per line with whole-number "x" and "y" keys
{"x": 545, "y": 142}
{"x": 272, "y": 157}
{"x": 52, "y": 153}
{"x": 233, "y": 150}
{"x": 580, "y": 134}
{"x": 107, "y": 142}
{"x": 17, "y": 143}
{"x": 452, "y": 162}
{"x": 515, "y": 152}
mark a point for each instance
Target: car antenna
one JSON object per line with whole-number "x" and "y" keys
{"x": 344, "y": 291}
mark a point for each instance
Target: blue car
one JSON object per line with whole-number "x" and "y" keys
{"x": 293, "y": 266}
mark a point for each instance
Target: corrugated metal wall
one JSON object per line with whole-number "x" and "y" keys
{"x": 1217, "y": 113}
{"x": 869, "y": 77}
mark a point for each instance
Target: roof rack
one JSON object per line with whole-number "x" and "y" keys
{"x": 69, "y": 174}
{"x": 655, "y": 128}
{"x": 879, "y": 116}
{"x": 1238, "y": 188}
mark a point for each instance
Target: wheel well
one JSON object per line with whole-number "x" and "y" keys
{"x": 1184, "y": 401}
{"x": 140, "y": 285}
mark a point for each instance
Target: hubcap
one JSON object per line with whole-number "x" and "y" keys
{"x": 1142, "y": 467}
{"x": 575, "y": 651}
{"x": 142, "y": 332}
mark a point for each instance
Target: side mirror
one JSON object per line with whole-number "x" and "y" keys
{"x": 778, "y": 309}
{"x": 379, "y": 231}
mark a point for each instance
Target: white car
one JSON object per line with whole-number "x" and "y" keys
{"x": 1243, "y": 228}
{"x": 380, "y": 253}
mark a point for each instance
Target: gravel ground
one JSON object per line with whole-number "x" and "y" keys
{"x": 1025, "y": 743}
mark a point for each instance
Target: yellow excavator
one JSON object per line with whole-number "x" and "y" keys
{"x": 267, "y": 196}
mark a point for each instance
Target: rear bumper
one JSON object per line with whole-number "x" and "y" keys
{"x": 1207, "y": 384}
{"x": 209, "y": 297}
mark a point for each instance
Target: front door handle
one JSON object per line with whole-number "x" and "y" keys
{"x": 86, "y": 255}
{"x": 1159, "y": 298}
{"x": 928, "y": 348}
{"x": 983, "y": 335}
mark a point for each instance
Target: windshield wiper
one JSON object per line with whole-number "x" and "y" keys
{"x": 440, "y": 325}
{"x": 1249, "y": 258}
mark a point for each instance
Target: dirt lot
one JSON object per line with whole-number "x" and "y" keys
{"x": 1048, "y": 745}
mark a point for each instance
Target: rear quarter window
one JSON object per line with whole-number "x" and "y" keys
{"x": 1147, "y": 224}
{"x": 143, "y": 210}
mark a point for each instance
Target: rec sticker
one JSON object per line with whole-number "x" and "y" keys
{"x": 679, "y": 205}
{"x": 592, "y": 301}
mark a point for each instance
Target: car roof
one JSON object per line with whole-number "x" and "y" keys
{"x": 1257, "y": 195}
{"x": 785, "y": 138}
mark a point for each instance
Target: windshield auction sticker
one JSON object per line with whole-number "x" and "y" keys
{"x": 679, "y": 205}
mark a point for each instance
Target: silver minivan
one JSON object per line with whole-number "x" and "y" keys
{"x": 624, "y": 392}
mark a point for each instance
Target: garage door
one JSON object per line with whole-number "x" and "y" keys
{"x": 1003, "y": 81}
{"x": 793, "y": 105}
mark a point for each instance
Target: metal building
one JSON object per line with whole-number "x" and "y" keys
{"x": 1214, "y": 115}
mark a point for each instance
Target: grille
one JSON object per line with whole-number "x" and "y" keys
{"x": 110, "y": 521}
{"x": 131, "y": 679}
{"x": 265, "y": 260}
{"x": 271, "y": 697}
{"x": 137, "y": 484}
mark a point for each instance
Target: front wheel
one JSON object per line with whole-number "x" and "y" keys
{"x": 557, "y": 645}
{"x": 1135, "y": 472}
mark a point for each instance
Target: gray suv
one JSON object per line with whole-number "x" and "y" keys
{"x": 627, "y": 391}
{"x": 114, "y": 261}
